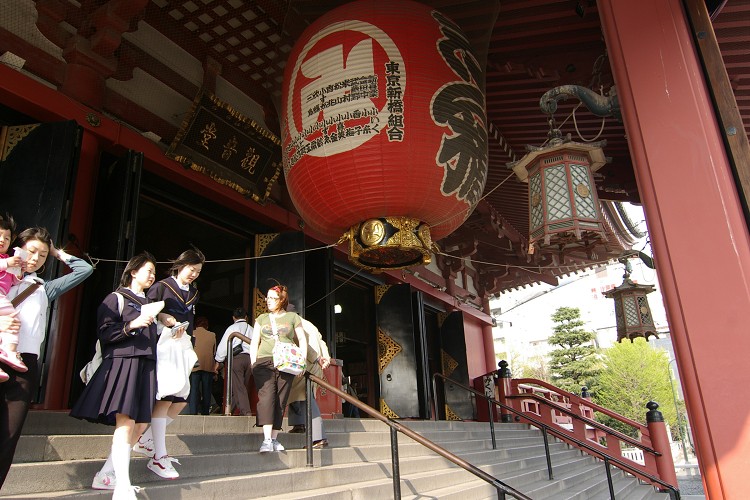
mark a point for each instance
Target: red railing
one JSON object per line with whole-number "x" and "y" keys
{"x": 574, "y": 416}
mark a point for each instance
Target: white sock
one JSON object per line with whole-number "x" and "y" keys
{"x": 147, "y": 436}
{"x": 108, "y": 466}
{"x": 159, "y": 431}
{"x": 121, "y": 463}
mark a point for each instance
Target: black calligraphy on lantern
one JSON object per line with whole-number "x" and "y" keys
{"x": 463, "y": 152}
{"x": 395, "y": 103}
{"x": 207, "y": 134}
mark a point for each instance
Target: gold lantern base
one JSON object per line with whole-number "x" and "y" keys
{"x": 389, "y": 243}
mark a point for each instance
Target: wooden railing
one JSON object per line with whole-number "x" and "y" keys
{"x": 552, "y": 403}
{"x": 574, "y": 419}
{"x": 662, "y": 476}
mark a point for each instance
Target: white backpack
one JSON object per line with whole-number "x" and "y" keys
{"x": 88, "y": 371}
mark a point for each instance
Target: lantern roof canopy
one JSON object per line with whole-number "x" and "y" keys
{"x": 592, "y": 149}
{"x": 628, "y": 285}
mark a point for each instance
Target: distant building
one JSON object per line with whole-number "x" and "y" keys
{"x": 523, "y": 317}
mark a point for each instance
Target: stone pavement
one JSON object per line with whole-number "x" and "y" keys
{"x": 691, "y": 487}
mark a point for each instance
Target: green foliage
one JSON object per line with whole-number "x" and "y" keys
{"x": 574, "y": 363}
{"x": 535, "y": 367}
{"x": 634, "y": 373}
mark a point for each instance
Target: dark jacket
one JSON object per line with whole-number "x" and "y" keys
{"x": 115, "y": 342}
{"x": 178, "y": 303}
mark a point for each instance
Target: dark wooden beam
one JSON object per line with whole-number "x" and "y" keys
{"x": 732, "y": 127}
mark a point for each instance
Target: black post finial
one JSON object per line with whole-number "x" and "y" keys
{"x": 653, "y": 414}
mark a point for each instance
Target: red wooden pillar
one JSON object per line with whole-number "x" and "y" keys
{"x": 489, "y": 346}
{"x": 698, "y": 232}
{"x": 62, "y": 356}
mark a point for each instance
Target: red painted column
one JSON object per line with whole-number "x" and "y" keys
{"x": 488, "y": 341}
{"x": 62, "y": 356}
{"x": 698, "y": 232}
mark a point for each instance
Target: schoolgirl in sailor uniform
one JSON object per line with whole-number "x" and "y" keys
{"x": 180, "y": 297}
{"x": 122, "y": 390}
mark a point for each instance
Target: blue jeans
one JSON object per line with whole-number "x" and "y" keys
{"x": 200, "y": 392}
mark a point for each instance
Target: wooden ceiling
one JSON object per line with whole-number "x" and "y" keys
{"x": 531, "y": 46}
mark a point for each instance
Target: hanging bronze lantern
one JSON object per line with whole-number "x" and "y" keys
{"x": 632, "y": 312}
{"x": 384, "y": 129}
{"x": 564, "y": 208}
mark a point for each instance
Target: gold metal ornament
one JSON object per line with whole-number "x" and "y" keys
{"x": 372, "y": 232}
{"x": 387, "y": 350}
{"x": 11, "y": 136}
{"x": 386, "y": 410}
{"x": 389, "y": 243}
{"x": 583, "y": 190}
{"x": 450, "y": 414}
{"x": 448, "y": 362}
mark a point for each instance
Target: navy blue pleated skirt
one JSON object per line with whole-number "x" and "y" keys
{"x": 119, "y": 385}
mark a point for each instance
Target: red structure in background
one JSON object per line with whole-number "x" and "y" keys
{"x": 329, "y": 403}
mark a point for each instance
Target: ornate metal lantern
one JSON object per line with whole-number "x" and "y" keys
{"x": 564, "y": 208}
{"x": 384, "y": 129}
{"x": 632, "y": 312}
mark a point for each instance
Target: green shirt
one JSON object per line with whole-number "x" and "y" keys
{"x": 285, "y": 326}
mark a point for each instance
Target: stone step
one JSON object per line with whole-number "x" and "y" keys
{"x": 301, "y": 482}
{"x": 60, "y": 423}
{"x": 41, "y": 448}
{"x": 77, "y": 474}
{"x": 58, "y": 457}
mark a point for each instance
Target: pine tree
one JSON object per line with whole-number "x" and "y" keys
{"x": 574, "y": 363}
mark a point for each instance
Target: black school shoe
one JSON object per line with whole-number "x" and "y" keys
{"x": 297, "y": 429}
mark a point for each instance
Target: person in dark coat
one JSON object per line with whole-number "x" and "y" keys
{"x": 122, "y": 390}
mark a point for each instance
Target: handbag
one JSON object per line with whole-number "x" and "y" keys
{"x": 287, "y": 357}
{"x": 238, "y": 348}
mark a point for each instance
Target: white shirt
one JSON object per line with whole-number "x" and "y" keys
{"x": 33, "y": 316}
{"x": 33, "y": 311}
{"x": 240, "y": 326}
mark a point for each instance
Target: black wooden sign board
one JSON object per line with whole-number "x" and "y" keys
{"x": 217, "y": 140}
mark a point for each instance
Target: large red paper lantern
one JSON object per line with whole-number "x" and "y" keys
{"x": 384, "y": 135}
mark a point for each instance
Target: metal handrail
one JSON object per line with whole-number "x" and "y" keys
{"x": 395, "y": 427}
{"x": 228, "y": 377}
{"x": 674, "y": 492}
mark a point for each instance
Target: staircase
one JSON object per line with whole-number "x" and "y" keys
{"x": 58, "y": 456}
